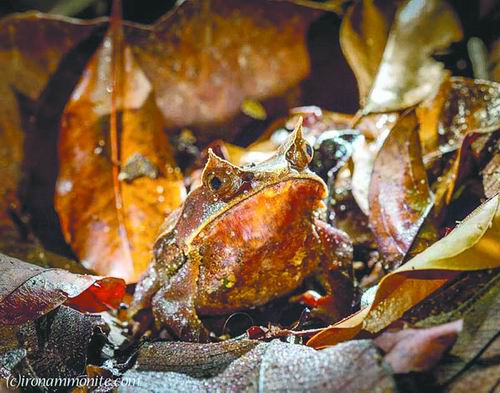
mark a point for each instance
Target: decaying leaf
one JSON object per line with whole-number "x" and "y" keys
{"x": 250, "y": 50}
{"x": 482, "y": 374}
{"x": 416, "y": 350}
{"x": 27, "y": 67}
{"x": 399, "y": 196}
{"x": 472, "y": 245}
{"x": 460, "y": 106}
{"x": 364, "y": 154}
{"x": 28, "y": 291}
{"x": 57, "y": 345}
{"x": 112, "y": 141}
{"x": 196, "y": 360}
{"x": 406, "y": 73}
{"x": 480, "y": 314}
{"x": 263, "y": 369}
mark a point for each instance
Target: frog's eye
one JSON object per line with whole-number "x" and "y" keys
{"x": 223, "y": 184}
{"x": 215, "y": 182}
{"x": 299, "y": 152}
{"x": 222, "y": 178}
{"x": 309, "y": 151}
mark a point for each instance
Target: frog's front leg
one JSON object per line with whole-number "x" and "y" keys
{"x": 174, "y": 305}
{"x": 335, "y": 272}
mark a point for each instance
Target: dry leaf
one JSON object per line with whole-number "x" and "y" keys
{"x": 399, "y": 196}
{"x": 276, "y": 366}
{"x": 407, "y": 74}
{"x": 57, "y": 345}
{"x": 491, "y": 175}
{"x": 364, "y": 154}
{"x": 28, "y": 291}
{"x": 117, "y": 180}
{"x": 363, "y": 35}
{"x": 417, "y": 350}
{"x": 472, "y": 245}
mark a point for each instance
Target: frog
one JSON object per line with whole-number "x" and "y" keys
{"x": 245, "y": 236}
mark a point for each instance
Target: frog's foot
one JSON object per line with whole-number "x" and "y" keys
{"x": 144, "y": 291}
{"x": 174, "y": 306}
{"x": 335, "y": 273}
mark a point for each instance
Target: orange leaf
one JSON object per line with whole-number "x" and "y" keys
{"x": 117, "y": 178}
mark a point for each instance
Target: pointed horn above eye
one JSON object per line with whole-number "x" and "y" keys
{"x": 296, "y": 149}
{"x": 296, "y": 137}
{"x": 297, "y": 131}
{"x": 214, "y": 161}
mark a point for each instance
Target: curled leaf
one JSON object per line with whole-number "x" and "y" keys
{"x": 27, "y": 69}
{"x": 407, "y": 74}
{"x": 399, "y": 195}
{"x": 472, "y": 245}
{"x": 491, "y": 175}
{"x": 363, "y": 35}
{"x": 460, "y": 106}
{"x": 28, "y": 291}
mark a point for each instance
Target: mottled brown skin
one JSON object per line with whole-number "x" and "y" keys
{"x": 246, "y": 236}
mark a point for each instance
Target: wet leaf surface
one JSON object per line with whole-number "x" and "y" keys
{"x": 399, "y": 196}
{"x": 472, "y": 245}
{"x": 251, "y": 50}
{"x": 407, "y": 74}
{"x": 196, "y": 360}
{"x": 28, "y": 291}
{"x": 112, "y": 139}
{"x": 57, "y": 345}
{"x": 263, "y": 368}
{"x": 216, "y": 73}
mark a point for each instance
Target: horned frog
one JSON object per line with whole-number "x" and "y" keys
{"x": 246, "y": 236}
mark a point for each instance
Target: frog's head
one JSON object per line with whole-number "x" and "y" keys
{"x": 283, "y": 183}
{"x": 230, "y": 183}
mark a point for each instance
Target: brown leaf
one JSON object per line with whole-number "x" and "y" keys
{"x": 399, "y": 194}
{"x": 247, "y": 50}
{"x": 363, "y": 35}
{"x": 28, "y": 291}
{"x": 112, "y": 142}
{"x": 460, "y": 106}
{"x": 277, "y": 366}
{"x": 57, "y": 345}
{"x": 416, "y": 350}
{"x": 407, "y": 74}
{"x": 483, "y": 374}
{"x": 196, "y": 360}
{"x": 480, "y": 314}
{"x": 364, "y": 154}
{"x": 27, "y": 67}
{"x": 491, "y": 174}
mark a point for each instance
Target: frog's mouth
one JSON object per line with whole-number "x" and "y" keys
{"x": 303, "y": 192}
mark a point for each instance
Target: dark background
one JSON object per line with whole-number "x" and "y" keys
{"x": 334, "y": 85}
